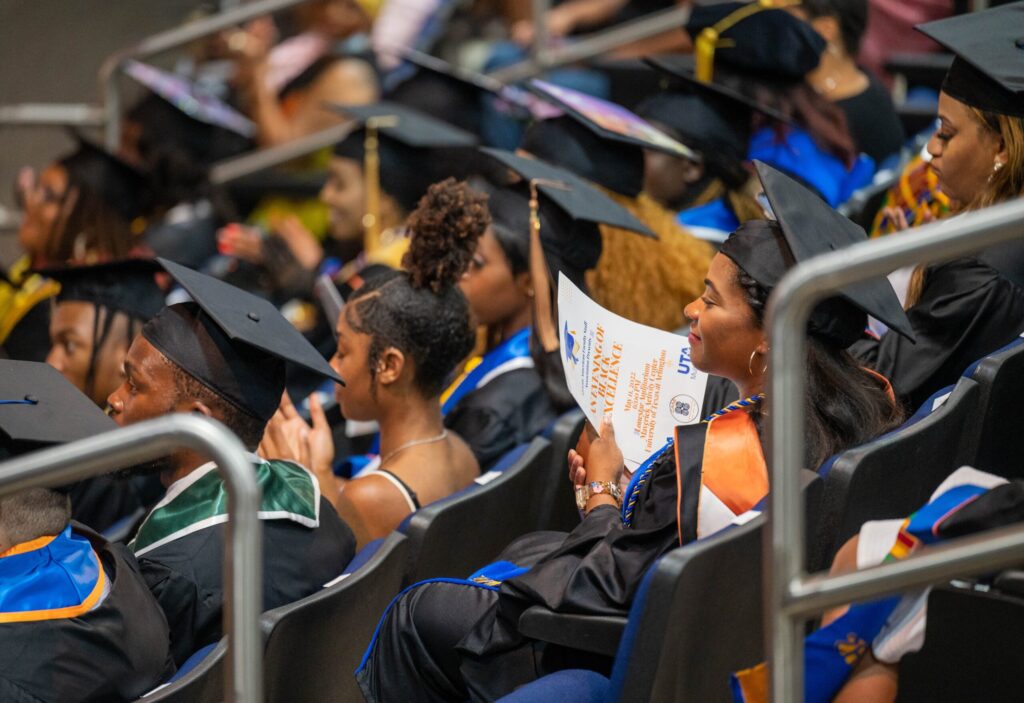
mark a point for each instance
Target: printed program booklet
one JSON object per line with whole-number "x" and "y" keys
{"x": 641, "y": 375}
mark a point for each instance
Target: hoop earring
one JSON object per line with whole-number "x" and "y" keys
{"x": 750, "y": 363}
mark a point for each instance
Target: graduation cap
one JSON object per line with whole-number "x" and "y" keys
{"x": 567, "y": 215}
{"x": 126, "y": 286}
{"x": 232, "y": 342}
{"x": 191, "y": 100}
{"x": 39, "y": 407}
{"x": 806, "y": 226}
{"x": 119, "y": 185}
{"x": 402, "y": 151}
{"x": 596, "y": 139}
{"x": 754, "y": 37}
{"x": 988, "y": 70}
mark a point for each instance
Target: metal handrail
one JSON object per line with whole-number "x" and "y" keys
{"x": 790, "y": 594}
{"x": 252, "y": 162}
{"x": 243, "y": 564}
{"x": 110, "y": 89}
{"x": 51, "y": 114}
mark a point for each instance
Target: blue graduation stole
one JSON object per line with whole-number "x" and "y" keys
{"x": 514, "y": 349}
{"x": 833, "y": 652}
{"x": 50, "y": 578}
{"x": 712, "y": 220}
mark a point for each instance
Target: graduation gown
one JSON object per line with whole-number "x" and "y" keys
{"x": 180, "y": 547}
{"x": 967, "y": 309}
{"x": 499, "y": 401}
{"x": 452, "y": 640}
{"x": 102, "y": 502}
{"x": 114, "y": 651}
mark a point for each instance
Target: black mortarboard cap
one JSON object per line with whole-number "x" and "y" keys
{"x": 805, "y": 227}
{"x": 126, "y": 286}
{"x": 578, "y": 199}
{"x": 596, "y": 139}
{"x": 191, "y": 100}
{"x": 988, "y": 71}
{"x": 232, "y": 342}
{"x": 755, "y": 38}
{"x": 415, "y": 149}
{"x": 39, "y": 407}
{"x": 121, "y": 187}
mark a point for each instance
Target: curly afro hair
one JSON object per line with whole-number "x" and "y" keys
{"x": 421, "y": 311}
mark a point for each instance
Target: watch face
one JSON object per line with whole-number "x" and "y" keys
{"x": 596, "y": 488}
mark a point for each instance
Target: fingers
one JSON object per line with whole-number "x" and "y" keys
{"x": 286, "y": 407}
{"x": 316, "y": 413}
{"x": 607, "y": 429}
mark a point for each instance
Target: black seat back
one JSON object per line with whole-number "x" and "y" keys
{"x": 557, "y": 504}
{"x": 313, "y": 646}
{"x": 463, "y": 532}
{"x": 895, "y": 474}
{"x": 971, "y": 649}
{"x": 701, "y": 619}
{"x": 1000, "y": 440}
{"x": 203, "y": 683}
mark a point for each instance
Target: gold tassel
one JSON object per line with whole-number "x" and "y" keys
{"x": 710, "y": 38}
{"x": 371, "y": 179}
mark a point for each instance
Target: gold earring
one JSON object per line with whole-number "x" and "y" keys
{"x": 750, "y": 363}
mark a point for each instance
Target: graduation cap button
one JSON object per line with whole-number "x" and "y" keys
{"x": 1019, "y": 43}
{"x": 31, "y": 399}
{"x": 253, "y": 316}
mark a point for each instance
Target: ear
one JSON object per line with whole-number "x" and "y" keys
{"x": 524, "y": 283}
{"x": 692, "y": 172}
{"x": 197, "y": 406}
{"x": 390, "y": 366}
{"x": 762, "y": 347}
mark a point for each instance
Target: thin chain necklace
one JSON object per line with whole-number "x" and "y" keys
{"x": 414, "y": 443}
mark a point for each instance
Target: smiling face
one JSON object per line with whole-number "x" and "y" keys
{"x": 72, "y": 326}
{"x": 723, "y": 329}
{"x": 345, "y": 195}
{"x": 963, "y": 151}
{"x": 495, "y": 294}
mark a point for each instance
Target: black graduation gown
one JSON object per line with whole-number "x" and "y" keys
{"x": 511, "y": 409}
{"x": 444, "y": 641}
{"x": 115, "y": 652}
{"x": 967, "y": 310}
{"x": 102, "y": 501}
{"x": 186, "y": 574}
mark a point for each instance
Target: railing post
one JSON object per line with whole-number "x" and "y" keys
{"x": 788, "y": 592}
{"x": 243, "y": 565}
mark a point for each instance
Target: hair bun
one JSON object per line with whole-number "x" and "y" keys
{"x": 444, "y": 229}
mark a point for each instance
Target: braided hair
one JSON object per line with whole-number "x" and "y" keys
{"x": 421, "y": 311}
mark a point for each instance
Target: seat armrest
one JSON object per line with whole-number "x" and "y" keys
{"x": 599, "y": 634}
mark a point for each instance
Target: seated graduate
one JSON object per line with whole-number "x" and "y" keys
{"x": 643, "y": 279}
{"x": 375, "y": 178}
{"x": 962, "y": 310}
{"x": 79, "y": 209}
{"x": 77, "y": 623}
{"x": 400, "y": 337}
{"x": 881, "y": 632}
{"x": 223, "y": 356}
{"x": 453, "y": 641}
{"x": 96, "y": 315}
{"x": 712, "y": 192}
{"x": 738, "y": 45}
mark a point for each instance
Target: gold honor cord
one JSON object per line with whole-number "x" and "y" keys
{"x": 371, "y": 178}
{"x": 710, "y": 38}
{"x": 545, "y": 324}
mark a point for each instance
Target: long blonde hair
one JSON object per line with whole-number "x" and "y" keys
{"x": 1004, "y": 184}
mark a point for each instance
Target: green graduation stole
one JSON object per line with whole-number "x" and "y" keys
{"x": 200, "y": 500}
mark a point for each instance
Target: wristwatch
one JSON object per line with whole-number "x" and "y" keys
{"x": 584, "y": 492}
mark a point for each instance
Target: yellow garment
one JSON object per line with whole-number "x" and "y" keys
{"x": 26, "y": 292}
{"x": 647, "y": 280}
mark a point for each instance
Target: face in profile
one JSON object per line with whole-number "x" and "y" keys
{"x": 344, "y": 194}
{"x": 43, "y": 200}
{"x": 148, "y": 390}
{"x": 963, "y": 151}
{"x": 74, "y": 350}
{"x": 494, "y": 293}
{"x": 723, "y": 330}
{"x": 352, "y": 362}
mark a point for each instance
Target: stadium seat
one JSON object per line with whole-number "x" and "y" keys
{"x": 696, "y": 619}
{"x": 971, "y": 648}
{"x": 313, "y": 646}
{"x": 1000, "y": 377}
{"x": 557, "y": 506}
{"x": 895, "y": 474}
{"x": 200, "y": 679}
{"x": 464, "y": 531}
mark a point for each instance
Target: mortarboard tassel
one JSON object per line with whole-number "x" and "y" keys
{"x": 710, "y": 38}
{"x": 371, "y": 179}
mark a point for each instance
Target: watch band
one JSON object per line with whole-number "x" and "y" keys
{"x": 586, "y": 492}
